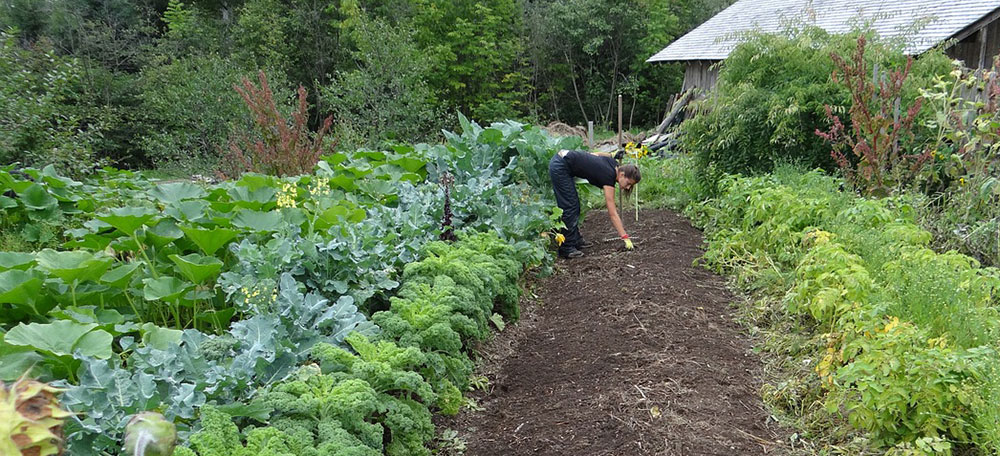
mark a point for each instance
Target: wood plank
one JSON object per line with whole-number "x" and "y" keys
{"x": 982, "y": 48}
{"x": 975, "y": 26}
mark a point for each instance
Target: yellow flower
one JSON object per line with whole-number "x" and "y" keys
{"x": 894, "y": 322}
{"x": 286, "y": 198}
{"x": 938, "y": 342}
{"x": 560, "y": 239}
{"x": 961, "y": 181}
{"x": 816, "y": 237}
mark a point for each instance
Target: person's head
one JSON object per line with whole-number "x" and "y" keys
{"x": 628, "y": 176}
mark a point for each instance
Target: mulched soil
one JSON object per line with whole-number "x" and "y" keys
{"x": 623, "y": 353}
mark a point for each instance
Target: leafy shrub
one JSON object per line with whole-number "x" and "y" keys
{"x": 45, "y": 115}
{"x": 771, "y": 96}
{"x": 963, "y": 211}
{"x": 670, "y": 182}
{"x": 191, "y": 105}
{"x": 386, "y": 98}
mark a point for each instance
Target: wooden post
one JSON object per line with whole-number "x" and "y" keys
{"x": 675, "y": 110}
{"x": 590, "y": 133}
{"x": 982, "y": 47}
{"x": 620, "y": 142}
{"x": 670, "y": 104}
{"x": 619, "y": 121}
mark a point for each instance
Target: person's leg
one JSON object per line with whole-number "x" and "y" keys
{"x": 567, "y": 199}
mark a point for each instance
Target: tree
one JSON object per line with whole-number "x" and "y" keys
{"x": 385, "y": 97}
{"x": 475, "y": 48}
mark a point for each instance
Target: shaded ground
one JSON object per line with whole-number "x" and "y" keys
{"x": 624, "y": 353}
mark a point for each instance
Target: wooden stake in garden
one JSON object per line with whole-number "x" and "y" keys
{"x": 619, "y": 122}
{"x": 620, "y": 147}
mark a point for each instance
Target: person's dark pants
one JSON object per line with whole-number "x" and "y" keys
{"x": 567, "y": 200}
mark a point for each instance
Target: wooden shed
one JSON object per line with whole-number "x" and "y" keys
{"x": 972, "y": 24}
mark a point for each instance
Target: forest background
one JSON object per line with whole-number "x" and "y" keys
{"x": 149, "y": 84}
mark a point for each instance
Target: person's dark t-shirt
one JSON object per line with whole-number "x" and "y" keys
{"x": 599, "y": 170}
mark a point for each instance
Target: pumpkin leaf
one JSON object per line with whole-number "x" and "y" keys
{"x": 128, "y": 219}
{"x": 16, "y": 260}
{"x": 258, "y": 221}
{"x": 209, "y": 239}
{"x": 196, "y": 267}
{"x": 176, "y": 192}
{"x": 167, "y": 289}
{"x": 74, "y": 265}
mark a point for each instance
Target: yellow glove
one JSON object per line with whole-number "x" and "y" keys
{"x": 628, "y": 243}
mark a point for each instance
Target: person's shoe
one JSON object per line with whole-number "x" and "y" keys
{"x": 585, "y": 244}
{"x": 571, "y": 253}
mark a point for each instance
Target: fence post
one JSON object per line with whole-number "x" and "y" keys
{"x": 619, "y": 121}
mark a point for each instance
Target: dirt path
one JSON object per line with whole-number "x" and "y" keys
{"x": 627, "y": 354}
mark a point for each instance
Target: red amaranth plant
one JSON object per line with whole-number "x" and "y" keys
{"x": 881, "y": 135}
{"x": 282, "y": 147}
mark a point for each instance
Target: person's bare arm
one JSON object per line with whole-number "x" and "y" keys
{"x": 603, "y": 154}
{"x": 609, "y": 201}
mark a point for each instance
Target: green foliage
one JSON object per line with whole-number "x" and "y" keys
{"x": 385, "y": 97}
{"x": 354, "y": 399}
{"x": 193, "y": 107}
{"x": 147, "y": 84}
{"x": 447, "y": 300}
{"x": 902, "y": 337}
{"x": 44, "y": 118}
{"x": 771, "y": 97}
{"x": 474, "y": 48}
{"x": 963, "y": 210}
{"x": 670, "y": 182}
{"x": 171, "y": 296}
{"x": 219, "y": 436}
{"x": 261, "y": 35}
{"x": 586, "y": 52}
{"x": 986, "y": 414}
{"x": 901, "y": 393}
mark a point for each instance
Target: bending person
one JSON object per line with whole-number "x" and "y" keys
{"x": 600, "y": 170}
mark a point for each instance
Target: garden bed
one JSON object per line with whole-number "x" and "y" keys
{"x": 624, "y": 353}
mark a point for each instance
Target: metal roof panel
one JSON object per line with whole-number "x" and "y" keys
{"x": 937, "y": 20}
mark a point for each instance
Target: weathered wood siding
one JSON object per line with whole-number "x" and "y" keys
{"x": 968, "y": 50}
{"x": 700, "y": 74}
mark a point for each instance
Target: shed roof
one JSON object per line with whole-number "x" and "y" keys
{"x": 714, "y": 39}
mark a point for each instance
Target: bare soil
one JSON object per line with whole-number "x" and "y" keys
{"x": 623, "y": 353}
